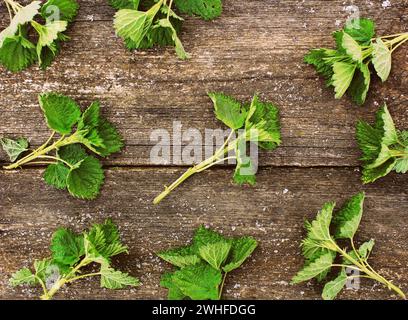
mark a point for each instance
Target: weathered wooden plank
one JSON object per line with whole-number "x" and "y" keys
{"x": 273, "y": 212}
{"x": 256, "y": 46}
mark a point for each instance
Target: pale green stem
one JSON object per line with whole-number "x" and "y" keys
{"x": 368, "y": 271}
{"x": 222, "y": 286}
{"x": 169, "y": 8}
{"x": 84, "y": 276}
{"x": 43, "y": 151}
{"x": 9, "y": 10}
{"x": 198, "y": 168}
{"x": 216, "y": 162}
{"x": 399, "y": 44}
{"x": 57, "y": 159}
{"x": 48, "y": 295}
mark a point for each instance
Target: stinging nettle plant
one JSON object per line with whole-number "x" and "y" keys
{"x": 144, "y": 24}
{"x": 256, "y": 122}
{"x": 384, "y": 148}
{"x": 69, "y": 165}
{"x": 346, "y": 68}
{"x": 320, "y": 249}
{"x": 70, "y": 254}
{"x": 202, "y": 267}
{"x": 35, "y": 32}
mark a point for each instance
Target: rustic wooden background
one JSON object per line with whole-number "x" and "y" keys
{"x": 256, "y": 46}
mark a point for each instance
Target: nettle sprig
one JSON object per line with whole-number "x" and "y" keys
{"x": 35, "y": 32}
{"x": 69, "y": 165}
{"x": 202, "y": 267}
{"x": 256, "y": 122}
{"x": 320, "y": 249}
{"x": 384, "y": 148}
{"x": 70, "y": 254}
{"x": 347, "y": 67}
{"x": 146, "y": 23}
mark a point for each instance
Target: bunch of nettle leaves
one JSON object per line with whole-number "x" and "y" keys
{"x": 146, "y": 23}
{"x": 71, "y": 253}
{"x": 202, "y": 267}
{"x": 69, "y": 165}
{"x": 383, "y": 147}
{"x": 43, "y": 23}
{"x": 347, "y": 67}
{"x": 324, "y": 250}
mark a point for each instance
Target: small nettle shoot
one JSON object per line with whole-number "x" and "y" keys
{"x": 69, "y": 165}
{"x": 384, "y": 148}
{"x": 35, "y": 32}
{"x": 202, "y": 267}
{"x": 70, "y": 254}
{"x": 346, "y": 68}
{"x": 146, "y": 23}
{"x": 256, "y": 122}
{"x": 320, "y": 249}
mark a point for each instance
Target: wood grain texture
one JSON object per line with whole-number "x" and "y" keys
{"x": 256, "y": 46}
{"x": 273, "y": 212}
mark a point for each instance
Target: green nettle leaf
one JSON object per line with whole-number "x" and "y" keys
{"x": 385, "y": 123}
{"x": 207, "y": 9}
{"x": 352, "y": 48}
{"x": 342, "y": 77}
{"x": 348, "y": 218}
{"x": 66, "y": 247}
{"x": 383, "y": 156}
{"x": 244, "y": 171}
{"x": 14, "y": 148}
{"x": 180, "y": 257}
{"x": 72, "y": 254}
{"x": 47, "y": 36}
{"x": 366, "y": 248}
{"x": 105, "y": 240}
{"x": 361, "y": 83}
{"x": 262, "y": 124}
{"x": 56, "y": 175}
{"x": 73, "y": 154}
{"x": 241, "y": 249}
{"x": 24, "y": 15}
{"x": 17, "y": 53}
{"x": 332, "y": 288}
{"x": 216, "y": 253}
{"x": 199, "y": 282}
{"x": 63, "y": 9}
{"x": 382, "y": 59}
{"x": 401, "y": 165}
{"x": 228, "y": 110}
{"x": 114, "y": 279}
{"x": 84, "y": 180}
{"x": 181, "y": 53}
{"x": 61, "y": 112}
{"x": 23, "y": 276}
{"x": 112, "y": 140}
{"x": 133, "y": 24}
{"x": 91, "y": 117}
{"x": 204, "y": 236}
{"x": 43, "y": 268}
{"x": 318, "y": 58}
{"x": 313, "y": 269}
{"x": 362, "y": 30}
{"x": 372, "y": 174}
{"x": 174, "y": 293}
